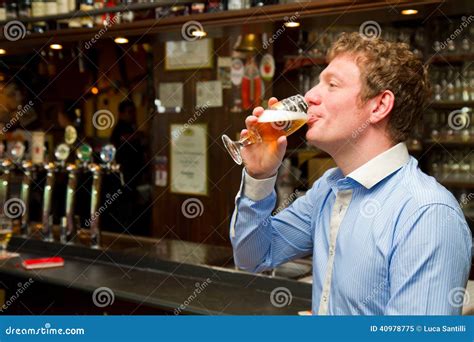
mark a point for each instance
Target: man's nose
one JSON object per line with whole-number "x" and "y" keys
{"x": 313, "y": 97}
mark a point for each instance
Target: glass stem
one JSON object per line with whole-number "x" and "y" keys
{"x": 252, "y": 137}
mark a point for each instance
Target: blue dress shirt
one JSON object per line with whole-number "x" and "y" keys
{"x": 387, "y": 239}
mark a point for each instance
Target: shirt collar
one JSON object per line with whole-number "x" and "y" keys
{"x": 381, "y": 166}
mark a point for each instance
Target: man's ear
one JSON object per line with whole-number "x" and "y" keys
{"x": 381, "y": 106}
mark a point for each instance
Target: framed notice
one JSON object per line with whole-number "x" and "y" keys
{"x": 183, "y": 55}
{"x": 188, "y": 155}
{"x": 209, "y": 94}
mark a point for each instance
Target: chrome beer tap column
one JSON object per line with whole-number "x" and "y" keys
{"x": 27, "y": 167}
{"x": 61, "y": 153}
{"x": 107, "y": 155}
{"x": 95, "y": 197}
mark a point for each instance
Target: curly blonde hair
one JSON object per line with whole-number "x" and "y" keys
{"x": 390, "y": 66}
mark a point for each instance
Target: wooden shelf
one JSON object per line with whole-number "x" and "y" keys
{"x": 236, "y": 19}
{"x": 296, "y": 62}
{"x": 457, "y": 184}
{"x": 452, "y": 104}
{"x": 447, "y": 59}
{"x": 452, "y": 143}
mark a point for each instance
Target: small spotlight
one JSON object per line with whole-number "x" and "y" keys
{"x": 121, "y": 40}
{"x": 3, "y": 51}
{"x": 94, "y": 90}
{"x": 409, "y": 11}
{"x": 56, "y": 47}
{"x": 199, "y": 33}
{"x": 292, "y": 24}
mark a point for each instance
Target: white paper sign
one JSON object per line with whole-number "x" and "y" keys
{"x": 171, "y": 94}
{"x": 209, "y": 94}
{"x": 189, "y": 159}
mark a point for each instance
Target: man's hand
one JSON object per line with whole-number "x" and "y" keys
{"x": 262, "y": 160}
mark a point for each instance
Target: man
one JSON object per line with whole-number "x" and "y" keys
{"x": 386, "y": 238}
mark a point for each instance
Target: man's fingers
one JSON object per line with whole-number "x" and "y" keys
{"x": 250, "y": 121}
{"x": 272, "y": 101}
{"x": 257, "y": 111}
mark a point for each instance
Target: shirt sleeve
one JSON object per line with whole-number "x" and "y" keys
{"x": 430, "y": 263}
{"x": 262, "y": 241}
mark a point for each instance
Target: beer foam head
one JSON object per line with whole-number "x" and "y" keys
{"x": 271, "y": 115}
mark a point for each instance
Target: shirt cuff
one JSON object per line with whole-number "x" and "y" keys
{"x": 258, "y": 189}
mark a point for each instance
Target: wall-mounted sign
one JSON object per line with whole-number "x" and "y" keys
{"x": 209, "y": 94}
{"x": 182, "y": 55}
{"x": 189, "y": 172}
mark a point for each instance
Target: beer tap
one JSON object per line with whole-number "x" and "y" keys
{"x": 61, "y": 153}
{"x": 27, "y": 167}
{"x": 107, "y": 155}
{"x": 16, "y": 152}
{"x": 84, "y": 155}
{"x": 68, "y": 227}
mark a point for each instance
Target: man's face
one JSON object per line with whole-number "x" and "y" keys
{"x": 335, "y": 111}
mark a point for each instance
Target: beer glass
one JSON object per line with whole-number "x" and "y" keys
{"x": 282, "y": 118}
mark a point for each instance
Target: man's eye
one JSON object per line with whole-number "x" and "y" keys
{"x": 332, "y": 85}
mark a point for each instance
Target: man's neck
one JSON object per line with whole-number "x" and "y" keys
{"x": 354, "y": 154}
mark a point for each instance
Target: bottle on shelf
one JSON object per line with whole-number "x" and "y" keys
{"x": 24, "y": 9}
{"x": 12, "y": 9}
{"x": 127, "y": 16}
{"x": 87, "y": 5}
{"x": 3, "y": 10}
{"x": 38, "y": 9}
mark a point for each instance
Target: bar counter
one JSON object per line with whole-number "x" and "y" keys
{"x": 143, "y": 281}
